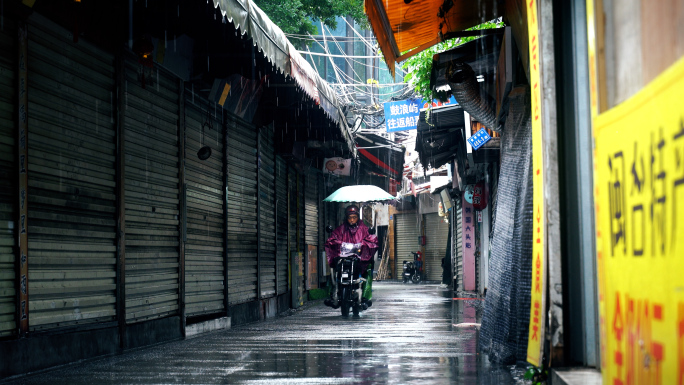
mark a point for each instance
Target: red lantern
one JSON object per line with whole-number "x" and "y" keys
{"x": 480, "y": 195}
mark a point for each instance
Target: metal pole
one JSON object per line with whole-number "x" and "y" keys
{"x": 225, "y": 210}
{"x": 182, "y": 187}
{"x": 551, "y": 188}
{"x": 258, "y": 213}
{"x": 289, "y": 232}
{"x": 584, "y": 188}
{"x": 121, "y": 198}
{"x": 275, "y": 215}
{"x": 22, "y": 111}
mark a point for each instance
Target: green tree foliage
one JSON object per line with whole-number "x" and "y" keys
{"x": 418, "y": 67}
{"x": 295, "y": 16}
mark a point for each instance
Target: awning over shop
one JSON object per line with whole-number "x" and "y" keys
{"x": 271, "y": 40}
{"x": 251, "y": 20}
{"x": 401, "y": 26}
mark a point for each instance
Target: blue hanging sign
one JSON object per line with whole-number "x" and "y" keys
{"x": 402, "y": 115}
{"x": 479, "y": 139}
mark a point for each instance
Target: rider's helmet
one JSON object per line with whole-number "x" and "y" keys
{"x": 349, "y": 211}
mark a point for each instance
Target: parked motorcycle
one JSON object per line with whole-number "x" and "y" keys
{"x": 413, "y": 270}
{"x": 348, "y": 282}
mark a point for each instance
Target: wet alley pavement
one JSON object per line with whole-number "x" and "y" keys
{"x": 413, "y": 334}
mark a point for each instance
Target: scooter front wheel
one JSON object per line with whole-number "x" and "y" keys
{"x": 344, "y": 302}
{"x": 416, "y": 278}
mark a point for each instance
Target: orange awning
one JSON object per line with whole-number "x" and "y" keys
{"x": 400, "y": 27}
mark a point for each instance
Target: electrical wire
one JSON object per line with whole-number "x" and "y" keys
{"x": 314, "y": 37}
{"x": 340, "y": 74}
{"x": 348, "y": 57}
{"x": 367, "y": 42}
{"x": 341, "y": 56}
{"x": 372, "y": 115}
{"x": 341, "y": 50}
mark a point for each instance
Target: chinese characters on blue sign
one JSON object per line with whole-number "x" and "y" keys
{"x": 480, "y": 138}
{"x": 402, "y": 115}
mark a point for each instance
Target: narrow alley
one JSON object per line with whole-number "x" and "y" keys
{"x": 181, "y": 182}
{"x": 411, "y": 334}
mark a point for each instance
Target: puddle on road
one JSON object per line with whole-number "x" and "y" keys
{"x": 407, "y": 337}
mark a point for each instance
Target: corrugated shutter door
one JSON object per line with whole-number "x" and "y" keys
{"x": 204, "y": 258}
{"x": 297, "y": 221}
{"x": 406, "y": 236}
{"x": 311, "y": 208}
{"x": 458, "y": 244}
{"x": 8, "y": 177}
{"x": 292, "y": 223}
{"x": 71, "y": 196}
{"x": 435, "y": 246}
{"x": 242, "y": 212}
{"x": 267, "y": 215}
{"x": 281, "y": 237}
{"x": 152, "y": 194}
{"x": 302, "y": 230}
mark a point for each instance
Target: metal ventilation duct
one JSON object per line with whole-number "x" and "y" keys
{"x": 466, "y": 91}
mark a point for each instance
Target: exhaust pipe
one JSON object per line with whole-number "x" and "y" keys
{"x": 466, "y": 91}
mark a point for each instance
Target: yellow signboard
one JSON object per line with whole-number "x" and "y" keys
{"x": 639, "y": 161}
{"x": 536, "y": 330}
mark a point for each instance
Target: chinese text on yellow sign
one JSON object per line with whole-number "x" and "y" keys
{"x": 640, "y": 217}
{"x": 536, "y": 330}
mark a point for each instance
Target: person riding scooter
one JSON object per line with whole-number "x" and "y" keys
{"x": 352, "y": 231}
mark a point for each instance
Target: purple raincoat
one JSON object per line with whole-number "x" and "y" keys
{"x": 348, "y": 234}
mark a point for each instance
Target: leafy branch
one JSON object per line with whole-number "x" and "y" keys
{"x": 419, "y": 67}
{"x": 300, "y": 17}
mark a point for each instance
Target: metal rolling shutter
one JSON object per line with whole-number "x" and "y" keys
{"x": 204, "y": 258}
{"x": 71, "y": 185}
{"x": 458, "y": 243}
{"x": 311, "y": 226}
{"x": 406, "y": 236}
{"x": 151, "y": 194}
{"x": 435, "y": 246}
{"x": 8, "y": 177}
{"x": 301, "y": 227}
{"x": 267, "y": 228}
{"x": 311, "y": 208}
{"x": 326, "y": 215}
{"x": 292, "y": 195}
{"x": 281, "y": 225}
{"x": 242, "y": 212}
{"x": 296, "y": 222}
{"x": 331, "y": 210}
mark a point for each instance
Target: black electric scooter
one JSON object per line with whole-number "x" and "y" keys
{"x": 347, "y": 282}
{"x": 412, "y": 270}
